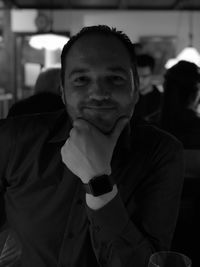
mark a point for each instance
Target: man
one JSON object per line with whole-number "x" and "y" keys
{"x": 149, "y": 104}
{"x": 82, "y": 188}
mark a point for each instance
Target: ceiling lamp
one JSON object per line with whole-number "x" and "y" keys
{"x": 46, "y": 38}
{"x": 189, "y": 53}
{"x": 49, "y": 41}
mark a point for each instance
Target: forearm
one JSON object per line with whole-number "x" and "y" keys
{"x": 112, "y": 231}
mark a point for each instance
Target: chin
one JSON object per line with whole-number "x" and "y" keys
{"x": 105, "y": 128}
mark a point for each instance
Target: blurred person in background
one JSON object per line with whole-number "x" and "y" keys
{"x": 149, "y": 105}
{"x": 48, "y": 81}
{"x": 180, "y": 113}
{"x": 180, "y": 116}
{"x": 46, "y": 98}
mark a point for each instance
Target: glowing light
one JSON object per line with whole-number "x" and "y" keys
{"x": 48, "y": 41}
{"x": 189, "y": 54}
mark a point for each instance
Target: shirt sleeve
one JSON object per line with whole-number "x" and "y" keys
{"x": 5, "y": 148}
{"x": 118, "y": 241}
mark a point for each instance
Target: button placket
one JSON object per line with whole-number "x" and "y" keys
{"x": 68, "y": 233}
{"x": 97, "y": 228}
{"x": 79, "y": 202}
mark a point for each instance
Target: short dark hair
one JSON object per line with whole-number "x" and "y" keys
{"x": 146, "y": 60}
{"x": 102, "y": 29}
{"x": 180, "y": 90}
{"x": 182, "y": 79}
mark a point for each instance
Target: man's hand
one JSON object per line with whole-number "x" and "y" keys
{"x": 88, "y": 152}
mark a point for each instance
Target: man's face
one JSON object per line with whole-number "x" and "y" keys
{"x": 98, "y": 83}
{"x": 145, "y": 76}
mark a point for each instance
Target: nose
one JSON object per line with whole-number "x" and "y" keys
{"x": 99, "y": 90}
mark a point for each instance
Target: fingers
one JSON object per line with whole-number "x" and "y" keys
{"x": 81, "y": 128}
{"x": 81, "y": 124}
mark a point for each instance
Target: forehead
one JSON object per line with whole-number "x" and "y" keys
{"x": 98, "y": 50}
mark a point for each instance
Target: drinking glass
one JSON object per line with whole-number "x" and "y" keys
{"x": 169, "y": 259}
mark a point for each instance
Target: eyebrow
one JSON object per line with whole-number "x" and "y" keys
{"x": 86, "y": 70}
{"x": 78, "y": 71}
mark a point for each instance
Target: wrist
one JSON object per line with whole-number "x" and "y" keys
{"x": 97, "y": 202}
{"x": 87, "y": 177}
{"x": 99, "y": 185}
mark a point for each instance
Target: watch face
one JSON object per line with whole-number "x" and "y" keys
{"x": 100, "y": 185}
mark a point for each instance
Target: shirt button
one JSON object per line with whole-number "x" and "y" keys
{"x": 97, "y": 228}
{"x": 79, "y": 202}
{"x": 70, "y": 235}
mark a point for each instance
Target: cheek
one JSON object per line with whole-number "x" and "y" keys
{"x": 125, "y": 103}
{"x": 128, "y": 101}
{"x": 71, "y": 100}
{"x": 72, "y": 97}
{"x": 125, "y": 96}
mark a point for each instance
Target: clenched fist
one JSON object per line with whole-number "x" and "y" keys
{"x": 88, "y": 152}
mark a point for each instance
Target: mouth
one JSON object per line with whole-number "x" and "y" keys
{"x": 100, "y": 108}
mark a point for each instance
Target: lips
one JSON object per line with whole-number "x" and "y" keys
{"x": 100, "y": 107}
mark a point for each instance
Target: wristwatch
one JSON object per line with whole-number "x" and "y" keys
{"x": 99, "y": 185}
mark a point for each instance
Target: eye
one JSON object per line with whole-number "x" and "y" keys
{"x": 81, "y": 81}
{"x": 117, "y": 79}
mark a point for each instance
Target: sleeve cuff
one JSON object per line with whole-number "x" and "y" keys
{"x": 110, "y": 220}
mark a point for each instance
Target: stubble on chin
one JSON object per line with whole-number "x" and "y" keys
{"x": 103, "y": 126}
{"x": 106, "y": 126}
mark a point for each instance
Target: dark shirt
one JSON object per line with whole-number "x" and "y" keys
{"x": 149, "y": 106}
{"x": 185, "y": 126}
{"x": 38, "y": 103}
{"x": 44, "y": 202}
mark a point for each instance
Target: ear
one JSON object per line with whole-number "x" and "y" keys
{"x": 135, "y": 89}
{"x": 136, "y": 96}
{"x": 62, "y": 94}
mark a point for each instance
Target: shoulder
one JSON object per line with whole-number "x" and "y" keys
{"x": 35, "y": 104}
{"x": 30, "y": 124}
{"x": 155, "y": 140}
{"x": 160, "y": 154}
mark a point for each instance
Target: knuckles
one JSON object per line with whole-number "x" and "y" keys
{"x": 82, "y": 125}
{"x": 73, "y": 132}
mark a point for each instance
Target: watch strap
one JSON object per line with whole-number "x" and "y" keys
{"x": 99, "y": 185}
